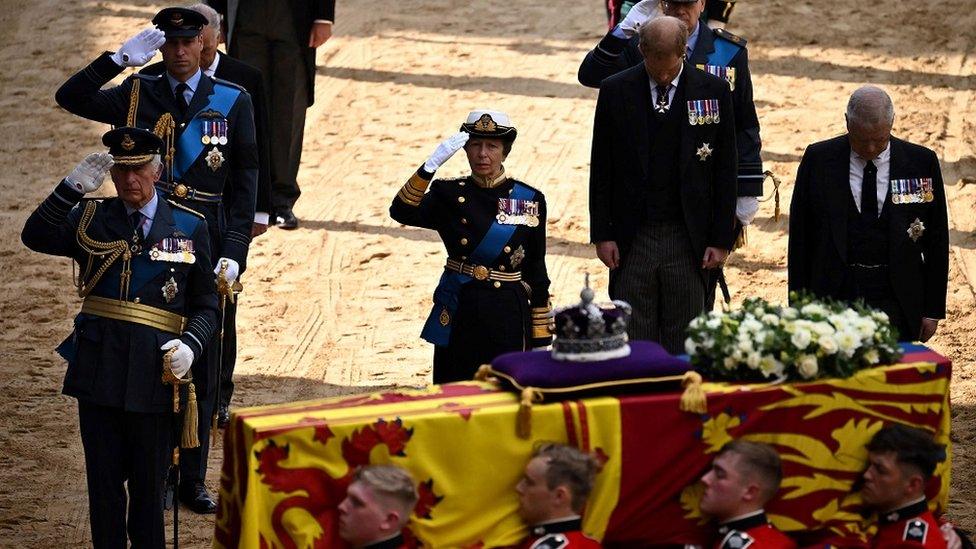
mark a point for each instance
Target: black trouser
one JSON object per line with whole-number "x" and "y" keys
{"x": 488, "y": 322}
{"x": 127, "y": 455}
{"x": 265, "y": 38}
{"x": 662, "y": 280}
{"x": 873, "y": 285}
{"x": 193, "y": 461}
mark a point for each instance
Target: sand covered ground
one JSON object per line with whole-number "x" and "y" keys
{"x": 337, "y": 305}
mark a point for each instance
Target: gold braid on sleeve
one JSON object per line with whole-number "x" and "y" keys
{"x": 130, "y": 119}
{"x": 413, "y": 191}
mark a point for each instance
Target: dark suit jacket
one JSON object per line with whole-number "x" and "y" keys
{"x": 249, "y": 78}
{"x": 304, "y": 14}
{"x": 230, "y": 227}
{"x": 114, "y": 362}
{"x": 818, "y": 228}
{"x": 613, "y": 55}
{"x": 620, "y": 161}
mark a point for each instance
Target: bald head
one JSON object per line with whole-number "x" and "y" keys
{"x": 662, "y": 42}
{"x": 870, "y": 115}
{"x": 663, "y": 36}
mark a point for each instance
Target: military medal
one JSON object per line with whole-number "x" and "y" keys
{"x": 725, "y": 73}
{"x": 215, "y": 159}
{"x": 445, "y": 317}
{"x": 174, "y": 249}
{"x": 170, "y": 289}
{"x": 704, "y": 152}
{"x": 517, "y": 256}
{"x": 703, "y": 111}
{"x": 916, "y": 229}
{"x": 206, "y": 132}
{"x": 222, "y": 131}
{"x": 514, "y": 211}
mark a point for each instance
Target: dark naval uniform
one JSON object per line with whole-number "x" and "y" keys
{"x": 493, "y": 297}
{"x": 753, "y": 532}
{"x": 717, "y": 52}
{"x": 140, "y": 293}
{"x": 557, "y": 535}
{"x": 216, "y": 157}
{"x": 911, "y": 526}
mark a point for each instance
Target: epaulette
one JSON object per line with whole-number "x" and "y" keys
{"x": 737, "y": 540}
{"x": 916, "y": 530}
{"x": 185, "y": 208}
{"x": 737, "y": 40}
{"x": 223, "y": 82}
{"x": 551, "y": 541}
{"x": 148, "y": 77}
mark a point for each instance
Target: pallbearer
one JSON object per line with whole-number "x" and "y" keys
{"x": 493, "y": 297}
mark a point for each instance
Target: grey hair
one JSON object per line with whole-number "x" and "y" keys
{"x": 156, "y": 161}
{"x": 213, "y": 18}
{"x": 870, "y": 106}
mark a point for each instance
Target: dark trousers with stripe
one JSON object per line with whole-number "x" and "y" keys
{"x": 127, "y": 455}
{"x": 663, "y": 281}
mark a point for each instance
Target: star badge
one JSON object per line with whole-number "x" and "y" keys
{"x": 916, "y": 229}
{"x": 704, "y": 152}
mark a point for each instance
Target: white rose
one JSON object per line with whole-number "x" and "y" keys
{"x": 713, "y": 323}
{"x": 770, "y": 319}
{"x": 801, "y": 338}
{"x": 872, "y": 356}
{"x": 822, "y": 328}
{"x": 751, "y": 325}
{"x": 847, "y": 343}
{"x": 690, "y": 346}
{"x": 753, "y": 360}
{"x": 790, "y": 313}
{"x": 828, "y": 344}
{"x": 729, "y": 363}
{"x": 813, "y": 309}
{"x": 807, "y": 366}
{"x": 771, "y": 367}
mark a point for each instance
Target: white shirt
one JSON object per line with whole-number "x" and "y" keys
{"x": 883, "y": 163}
{"x": 209, "y": 71}
{"x": 671, "y": 90}
{"x": 191, "y": 85}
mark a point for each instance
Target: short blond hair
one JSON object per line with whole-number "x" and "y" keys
{"x": 391, "y": 483}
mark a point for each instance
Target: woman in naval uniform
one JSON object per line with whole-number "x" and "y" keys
{"x": 493, "y": 297}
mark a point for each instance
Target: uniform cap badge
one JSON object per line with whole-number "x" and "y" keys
{"x": 485, "y": 124}
{"x": 177, "y": 20}
{"x": 127, "y": 142}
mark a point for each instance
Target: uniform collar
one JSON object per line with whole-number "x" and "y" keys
{"x": 744, "y": 522}
{"x": 913, "y": 509}
{"x": 191, "y": 82}
{"x": 391, "y": 543}
{"x": 693, "y": 40}
{"x": 560, "y": 526}
{"x": 486, "y": 183}
{"x": 148, "y": 209}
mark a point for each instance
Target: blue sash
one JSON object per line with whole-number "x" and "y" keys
{"x": 725, "y": 50}
{"x": 189, "y": 147}
{"x": 446, "y": 295}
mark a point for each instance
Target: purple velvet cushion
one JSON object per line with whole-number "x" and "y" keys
{"x": 648, "y": 362}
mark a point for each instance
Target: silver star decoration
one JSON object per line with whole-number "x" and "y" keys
{"x": 704, "y": 152}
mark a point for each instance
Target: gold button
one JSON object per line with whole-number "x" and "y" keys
{"x": 508, "y": 249}
{"x": 464, "y": 241}
{"x": 461, "y": 199}
{"x": 497, "y": 284}
{"x": 501, "y": 267}
{"x": 136, "y": 300}
{"x": 182, "y": 124}
{"x": 464, "y": 257}
{"x": 464, "y": 221}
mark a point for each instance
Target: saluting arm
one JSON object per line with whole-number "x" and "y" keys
{"x": 412, "y": 205}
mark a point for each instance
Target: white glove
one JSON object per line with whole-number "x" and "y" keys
{"x": 446, "y": 150}
{"x": 182, "y": 359}
{"x": 642, "y": 12}
{"x": 90, "y": 172}
{"x": 138, "y": 50}
{"x": 746, "y": 208}
{"x": 233, "y": 269}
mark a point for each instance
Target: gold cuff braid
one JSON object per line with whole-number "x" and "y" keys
{"x": 413, "y": 190}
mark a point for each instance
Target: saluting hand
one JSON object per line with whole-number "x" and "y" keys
{"x": 138, "y": 50}
{"x": 90, "y": 172}
{"x": 638, "y": 15}
{"x": 445, "y": 151}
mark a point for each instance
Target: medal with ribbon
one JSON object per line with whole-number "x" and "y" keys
{"x": 513, "y": 211}
{"x": 703, "y": 111}
{"x": 725, "y": 73}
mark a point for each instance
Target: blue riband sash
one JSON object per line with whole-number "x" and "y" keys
{"x": 725, "y": 50}
{"x": 189, "y": 147}
{"x": 449, "y": 287}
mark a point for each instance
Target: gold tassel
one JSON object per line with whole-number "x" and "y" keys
{"x": 693, "y": 398}
{"x": 740, "y": 240}
{"x": 776, "y": 184}
{"x": 523, "y": 426}
{"x": 483, "y": 373}
{"x": 191, "y": 422}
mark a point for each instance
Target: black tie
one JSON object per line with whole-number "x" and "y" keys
{"x": 136, "y": 218}
{"x": 662, "y": 104}
{"x": 869, "y": 192}
{"x": 180, "y": 98}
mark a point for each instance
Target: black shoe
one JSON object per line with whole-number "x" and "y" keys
{"x": 223, "y": 417}
{"x": 286, "y": 220}
{"x": 194, "y": 495}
